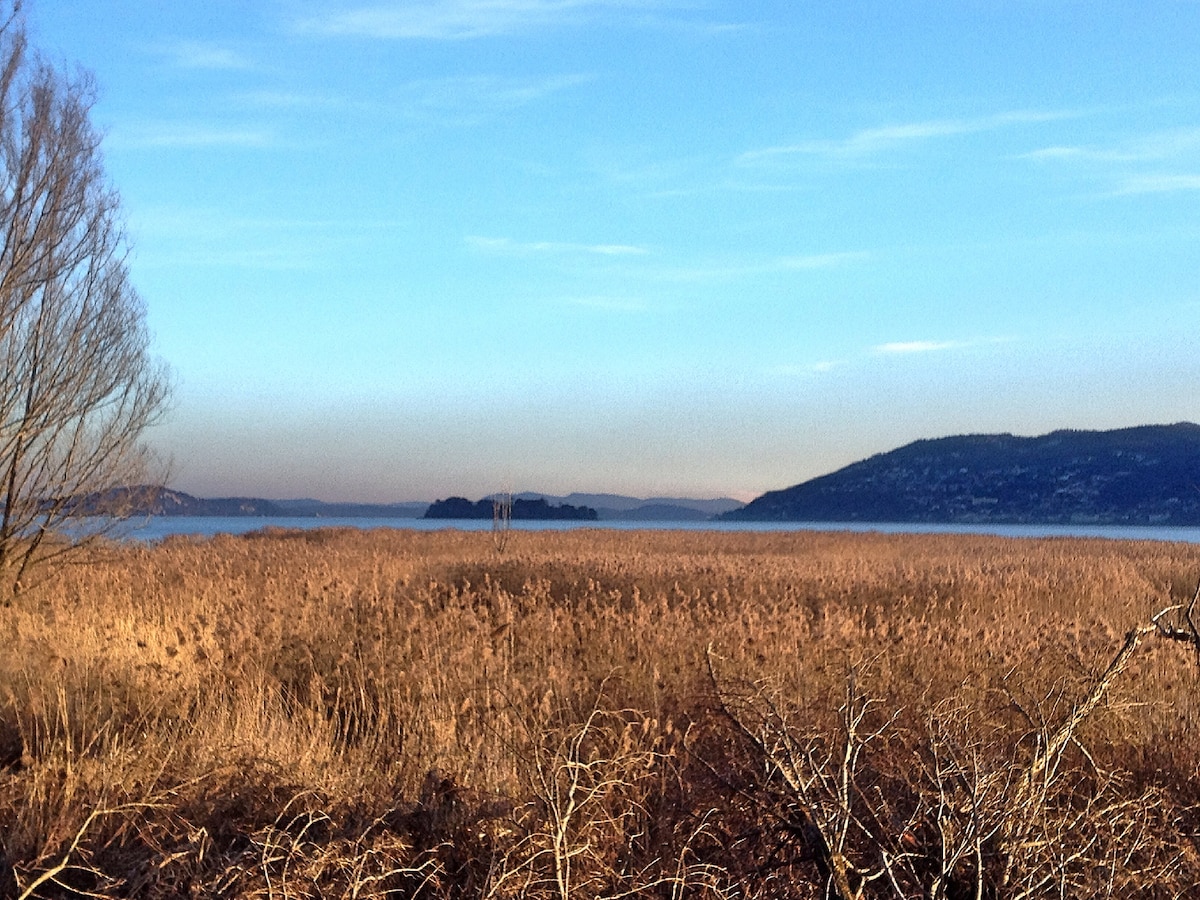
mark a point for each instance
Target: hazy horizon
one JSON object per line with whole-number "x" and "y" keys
{"x": 404, "y": 249}
{"x": 528, "y": 491}
{"x": 418, "y": 500}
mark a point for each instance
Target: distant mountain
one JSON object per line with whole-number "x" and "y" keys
{"x": 168, "y": 502}
{"x": 1148, "y": 475}
{"x": 658, "y": 512}
{"x": 522, "y": 508}
{"x": 660, "y": 509}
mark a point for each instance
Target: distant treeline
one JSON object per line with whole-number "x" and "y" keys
{"x": 462, "y": 508}
{"x": 152, "y": 500}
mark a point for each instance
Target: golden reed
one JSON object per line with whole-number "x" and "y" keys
{"x": 408, "y": 714}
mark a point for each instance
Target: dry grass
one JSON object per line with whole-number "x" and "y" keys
{"x": 339, "y": 713}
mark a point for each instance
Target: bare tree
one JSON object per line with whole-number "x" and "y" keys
{"x": 502, "y": 505}
{"x": 78, "y": 385}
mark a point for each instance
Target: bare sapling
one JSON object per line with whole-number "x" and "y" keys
{"x": 502, "y": 505}
{"x": 591, "y": 782}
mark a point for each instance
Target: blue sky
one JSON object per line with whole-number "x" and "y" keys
{"x": 399, "y": 250}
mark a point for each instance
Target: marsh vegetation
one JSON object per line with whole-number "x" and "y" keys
{"x": 601, "y": 714}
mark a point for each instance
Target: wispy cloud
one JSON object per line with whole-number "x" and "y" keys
{"x": 449, "y": 100}
{"x": 201, "y": 237}
{"x": 872, "y": 141}
{"x": 907, "y": 348}
{"x": 647, "y": 265}
{"x": 1157, "y": 147}
{"x": 773, "y": 266}
{"x": 1055, "y": 153}
{"x": 819, "y": 260}
{"x": 472, "y": 96}
{"x": 201, "y": 55}
{"x": 191, "y": 223}
{"x": 607, "y": 303}
{"x": 888, "y": 349}
{"x": 1158, "y": 184}
{"x": 904, "y": 347}
{"x": 182, "y": 135}
{"x": 800, "y": 370}
{"x": 287, "y": 100}
{"x": 267, "y": 259}
{"x": 1138, "y": 165}
{"x": 509, "y": 247}
{"x": 468, "y": 19}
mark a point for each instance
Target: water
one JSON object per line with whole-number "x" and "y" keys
{"x": 156, "y": 528}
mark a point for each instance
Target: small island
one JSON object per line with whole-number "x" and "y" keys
{"x": 538, "y": 509}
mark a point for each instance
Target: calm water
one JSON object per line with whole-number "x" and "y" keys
{"x": 160, "y": 527}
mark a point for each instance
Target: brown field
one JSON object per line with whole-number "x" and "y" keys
{"x": 348, "y": 714}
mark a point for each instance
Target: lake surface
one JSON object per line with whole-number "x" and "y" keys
{"x": 205, "y": 526}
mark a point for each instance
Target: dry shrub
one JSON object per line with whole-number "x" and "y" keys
{"x": 339, "y": 713}
{"x": 967, "y": 806}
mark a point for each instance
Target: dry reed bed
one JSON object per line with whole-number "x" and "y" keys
{"x": 338, "y": 713}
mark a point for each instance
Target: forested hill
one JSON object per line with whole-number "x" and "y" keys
{"x": 159, "y": 501}
{"x": 1148, "y": 475}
